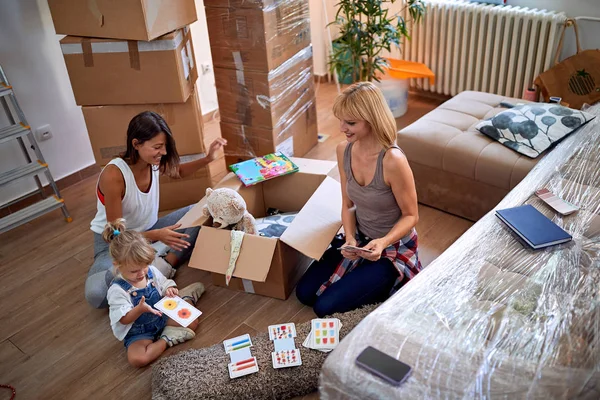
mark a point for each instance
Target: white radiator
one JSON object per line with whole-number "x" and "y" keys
{"x": 474, "y": 46}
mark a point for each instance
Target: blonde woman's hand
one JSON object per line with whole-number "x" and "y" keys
{"x": 349, "y": 253}
{"x": 376, "y": 246}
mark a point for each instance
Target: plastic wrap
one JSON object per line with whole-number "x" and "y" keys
{"x": 490, "y": 318}
{"x": 260, "y": 110}
{"x": 257, "y": 36}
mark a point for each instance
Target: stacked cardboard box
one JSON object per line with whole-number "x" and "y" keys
{"x": 131, "y": 56}
{"x": 263, "y": 73}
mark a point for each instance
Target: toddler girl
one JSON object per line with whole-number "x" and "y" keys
{"x": 137, "y": 287}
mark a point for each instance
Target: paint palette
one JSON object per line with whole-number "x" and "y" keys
{"x": 178, "y": 310}
{"x": 325, "y": 333}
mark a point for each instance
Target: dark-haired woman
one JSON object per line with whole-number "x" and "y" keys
{"x": 128, "y": 188}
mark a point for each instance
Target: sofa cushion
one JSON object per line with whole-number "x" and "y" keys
{"x": 530, "y": 129}
{"x": 447, "y": 139}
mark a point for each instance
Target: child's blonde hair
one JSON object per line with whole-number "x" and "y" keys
{"x": 127, "y": 247}
{"x": 365, "y": 102}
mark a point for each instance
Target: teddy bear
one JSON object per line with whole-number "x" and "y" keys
{"x": 228, "y": 211}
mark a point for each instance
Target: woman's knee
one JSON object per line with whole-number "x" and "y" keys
{"x": 305, "y": 292}
{"x": 95, "y": 292}
{"x": 326, "y": 305}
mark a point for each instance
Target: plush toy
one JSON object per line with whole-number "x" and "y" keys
{"x": 228, "y": 211}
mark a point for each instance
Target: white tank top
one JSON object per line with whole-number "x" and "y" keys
{"x": 140, "y": 209}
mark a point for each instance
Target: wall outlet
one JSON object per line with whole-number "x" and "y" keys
{"x": 205, "y": 68}
{"x": 43, "y": 133}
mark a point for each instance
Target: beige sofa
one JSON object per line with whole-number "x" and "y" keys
{"x": 456, "y": 168}
{"x": 489, "y": 318}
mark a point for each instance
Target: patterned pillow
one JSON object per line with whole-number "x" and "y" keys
{"x": 274, "y": 225}
{"x": 531, "y": 128}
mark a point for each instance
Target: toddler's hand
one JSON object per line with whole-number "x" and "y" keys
{"x": 145, "y": 307}
{"x": 171, "y": 292}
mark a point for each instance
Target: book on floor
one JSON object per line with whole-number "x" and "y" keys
{"x": 533, "y": 227}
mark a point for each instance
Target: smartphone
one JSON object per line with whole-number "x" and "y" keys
{"x": 384, "y": 366}
{"x": 348, "y": 247}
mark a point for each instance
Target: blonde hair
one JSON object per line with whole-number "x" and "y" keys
{"x": 365, "y": 102}
{"x": 127, "y": 247}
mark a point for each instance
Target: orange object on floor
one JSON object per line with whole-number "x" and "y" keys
{"x": 402, "y": 69}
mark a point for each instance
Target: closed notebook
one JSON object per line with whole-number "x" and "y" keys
{"x": 533, "y": 227}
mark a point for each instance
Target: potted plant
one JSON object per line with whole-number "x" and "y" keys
{"x": 366, "y": 28}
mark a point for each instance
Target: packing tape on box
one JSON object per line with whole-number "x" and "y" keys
{"x": 237, "y": 60}
{"x": 88, "y": 56}
{"x": 248, "y": 286}
{"x": 166, "y": 111}
{"x": 95, "y": 10}
{"x": 134, "y": 54}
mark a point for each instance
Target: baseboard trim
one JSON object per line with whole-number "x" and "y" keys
{"x": 62, "y": 183}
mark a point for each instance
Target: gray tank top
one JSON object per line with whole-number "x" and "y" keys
{"x": 376, "y": 208}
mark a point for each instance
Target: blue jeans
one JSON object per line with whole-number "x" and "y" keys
{"x": 101, "y": 273}
{"x": 370, "y": 282}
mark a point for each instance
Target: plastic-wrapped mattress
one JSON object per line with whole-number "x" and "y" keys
{"x": 490, "y": 318}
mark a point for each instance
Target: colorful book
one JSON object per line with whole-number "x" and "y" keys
{"x": 263, "y": 168}
{"x": 533, "y": 227}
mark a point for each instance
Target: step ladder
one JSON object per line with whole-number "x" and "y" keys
{"x": 19, "y": 130}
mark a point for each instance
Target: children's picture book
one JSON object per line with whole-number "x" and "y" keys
{"x": 263, "y": 168}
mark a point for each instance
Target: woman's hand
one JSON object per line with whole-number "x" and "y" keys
{"x": 173, "y": 239}
{"x": 145, "y": 307}
{"x": 214, "y": 148}
{"x": 377, "y": 246}
{"x": 350, "y": 254}
{"x": 171, "y": 292}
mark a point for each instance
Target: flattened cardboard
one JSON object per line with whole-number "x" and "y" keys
{"x": 258, "y": 39}
{"x": 107, "y": 127}
{"x": 253, "y": 262}
{"x": 123, "y": 19}
{"x": 115, "y": 71}
{"x": 317, "y": 222}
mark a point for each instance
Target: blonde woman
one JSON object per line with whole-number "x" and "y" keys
{"x": 379, "y": 211}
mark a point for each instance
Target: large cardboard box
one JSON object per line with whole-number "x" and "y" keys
{"x": 254, "y": 39}
{"x": 107, "y": 127}
{"x": 178, "y": 193}
{"x": 272, "y": 266}
{"x": 111, "y": 71}
{"x": 122, "y": 19}
{"x": 295, "y": 140}
{"x": 266, "y": 100}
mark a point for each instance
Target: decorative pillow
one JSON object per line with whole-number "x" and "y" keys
{"x": 531, "y": 128}
{"x": 274, "y": 225}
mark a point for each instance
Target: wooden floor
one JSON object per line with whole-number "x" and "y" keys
{"x": 54, "y": 346}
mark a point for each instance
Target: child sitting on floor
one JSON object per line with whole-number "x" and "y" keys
{"x": 137, "y": 287}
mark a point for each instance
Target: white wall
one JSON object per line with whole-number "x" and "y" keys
{"x": 589, "y": 31}
{"x": 31, "y": 57}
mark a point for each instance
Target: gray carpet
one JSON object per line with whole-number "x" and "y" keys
{"x": 202, "y": 374}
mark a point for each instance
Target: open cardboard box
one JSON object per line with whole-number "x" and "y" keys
{"x": 272, "y": 266}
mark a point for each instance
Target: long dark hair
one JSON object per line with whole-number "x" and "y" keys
{"x": 145, "y": 126}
